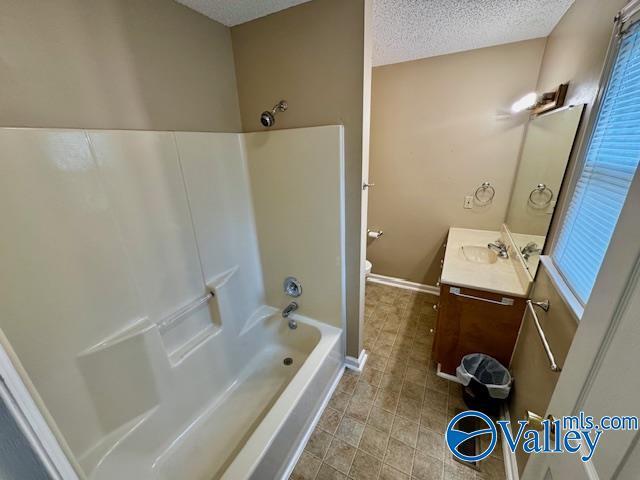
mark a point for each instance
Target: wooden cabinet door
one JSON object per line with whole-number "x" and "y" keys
{"x": 475, "y": 321}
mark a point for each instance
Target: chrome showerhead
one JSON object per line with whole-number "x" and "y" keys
{"x": 268, "y": 118}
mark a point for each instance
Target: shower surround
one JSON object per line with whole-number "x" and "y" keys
{"x": 143, "y": 276}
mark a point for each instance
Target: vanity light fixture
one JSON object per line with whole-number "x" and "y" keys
{"x": 551, "y": 100}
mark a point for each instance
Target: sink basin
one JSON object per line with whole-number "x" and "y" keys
{"x": 477, "y": 254}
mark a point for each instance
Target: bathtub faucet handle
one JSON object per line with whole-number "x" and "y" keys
{"x": 289, "y": 309}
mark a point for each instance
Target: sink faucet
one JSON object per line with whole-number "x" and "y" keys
{"x": 288, "y": 310}
{"x": 500, "y": 248}
{"x": 530, "y": 249}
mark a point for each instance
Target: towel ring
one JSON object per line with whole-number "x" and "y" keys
{"x": 485, "y": 187}
{"x": 540, "y": 189}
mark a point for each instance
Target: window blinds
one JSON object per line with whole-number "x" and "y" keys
{"x": 610, "y": 164}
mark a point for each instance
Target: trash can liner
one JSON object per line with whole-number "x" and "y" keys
{"x": 486, "y": 370}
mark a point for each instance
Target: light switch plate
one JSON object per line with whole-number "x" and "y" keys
{"x": 468, "y": 201}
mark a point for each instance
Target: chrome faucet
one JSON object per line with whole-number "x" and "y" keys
{"x": 529, "y": 249}
{"x": 500, "y": 248}
{"x": 288, "y": 310}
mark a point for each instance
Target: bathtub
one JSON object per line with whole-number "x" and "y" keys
{"x": 246, "y": 427}
{"x": 273, "y": 445}
{"x": 152, "y": 349}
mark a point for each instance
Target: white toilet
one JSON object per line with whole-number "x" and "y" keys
{"x": 367, "y": 268}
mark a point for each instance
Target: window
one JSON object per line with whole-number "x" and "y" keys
{"x": 610, "y": 163}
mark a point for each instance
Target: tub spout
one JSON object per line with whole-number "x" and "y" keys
{"x": 288, "y": 310}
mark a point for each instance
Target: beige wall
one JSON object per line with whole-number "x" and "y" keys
{"x": 437, "y": 134}
{"x": 575, "y": 53}
{"x": 126, "y": 64}
{"x": 312, "y": 56}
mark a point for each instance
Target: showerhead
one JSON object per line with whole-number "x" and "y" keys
{"x": 268, "y": 118}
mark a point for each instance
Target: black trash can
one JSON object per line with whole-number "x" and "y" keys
{"x": 487, "y": 383}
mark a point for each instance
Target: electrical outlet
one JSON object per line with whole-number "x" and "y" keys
{"x": 468, "y": 201}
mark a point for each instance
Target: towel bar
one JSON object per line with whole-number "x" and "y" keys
{"x": 552, "y": 361}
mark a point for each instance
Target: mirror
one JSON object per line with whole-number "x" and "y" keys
{"x": 543, "y": 161}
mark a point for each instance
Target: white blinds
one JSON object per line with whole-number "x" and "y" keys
{"x": 610, "y": 164}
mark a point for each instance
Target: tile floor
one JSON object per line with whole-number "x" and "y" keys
{"x": 387, "y": 423}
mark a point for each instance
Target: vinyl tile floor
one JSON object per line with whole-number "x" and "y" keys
{"x": 388, "y": 422}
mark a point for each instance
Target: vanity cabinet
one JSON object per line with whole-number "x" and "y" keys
{"x": 475, "y": 321}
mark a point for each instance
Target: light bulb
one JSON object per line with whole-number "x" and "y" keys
{"x": 528, "y": 101}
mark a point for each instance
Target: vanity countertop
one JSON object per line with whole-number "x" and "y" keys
{"x": 499, "y": 277}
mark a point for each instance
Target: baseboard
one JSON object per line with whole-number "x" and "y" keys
{"x": 356, "y": 364}
{"x": 305, "y": 438}
{"x": 401, "y": 283}
{"x": 510, "y": 463}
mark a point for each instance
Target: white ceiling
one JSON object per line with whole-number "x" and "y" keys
{"x": 235, "y": 12}
{"x": 411, "y": 29}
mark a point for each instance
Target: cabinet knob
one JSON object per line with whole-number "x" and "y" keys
{"x": 435, "y": 307}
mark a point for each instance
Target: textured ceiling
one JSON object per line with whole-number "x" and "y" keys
{"x": 235, "y": 12}
{"x": 411, "y": 29}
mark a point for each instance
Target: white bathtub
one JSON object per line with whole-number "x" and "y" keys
{"x": 250, "y": 427}
{"x": 272, "y": 445}
{"x": 150, "y": 344}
